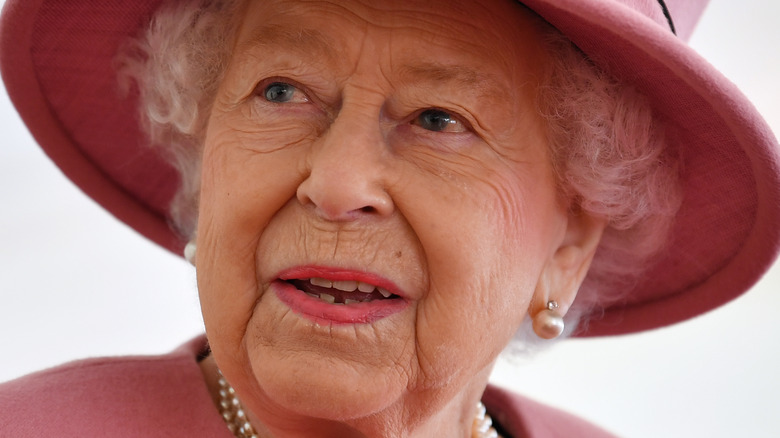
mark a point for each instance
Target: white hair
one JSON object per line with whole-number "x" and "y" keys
{"x": 611, "y": 161}
{"x": 177, "y": 64}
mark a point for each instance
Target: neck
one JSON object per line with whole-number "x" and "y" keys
{"x": 425, "y": 416}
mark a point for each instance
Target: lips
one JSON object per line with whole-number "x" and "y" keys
{"x": 329, "y": 296}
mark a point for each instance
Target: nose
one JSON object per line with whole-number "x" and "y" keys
{"x": 346, "y": 179}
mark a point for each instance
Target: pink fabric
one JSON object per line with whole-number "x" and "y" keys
{"x": 166, "y": 396}
{"x": 144, "y": 396}
{"x": 72, "y": 104}
{"x": 523, "y": 417}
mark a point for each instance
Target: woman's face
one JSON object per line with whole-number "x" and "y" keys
{"x": 390, "y": 149}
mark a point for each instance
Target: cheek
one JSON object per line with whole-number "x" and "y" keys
{"x": 250, "y": 170}
{"x": 243, "y": 185}
{"x": 241, "y": 190}
{"x": 487, "y": 225}
{"x": 523, "y": 222}
{"x": 486, "y": 241}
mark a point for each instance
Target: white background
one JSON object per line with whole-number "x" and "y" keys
{"x": 75, "y": 283}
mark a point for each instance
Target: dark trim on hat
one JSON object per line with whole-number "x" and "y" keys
{"x": 667, "y": 15}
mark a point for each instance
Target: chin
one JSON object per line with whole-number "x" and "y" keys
{"x": 314, "y": 387}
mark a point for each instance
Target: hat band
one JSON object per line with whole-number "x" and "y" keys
{"x": 667, "y": 15}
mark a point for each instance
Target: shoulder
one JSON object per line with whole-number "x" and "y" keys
{"x": 523, "y": 417}
{"x": 143, "y": 396}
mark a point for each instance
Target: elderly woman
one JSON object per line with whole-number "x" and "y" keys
{"x": 380, "y": 198}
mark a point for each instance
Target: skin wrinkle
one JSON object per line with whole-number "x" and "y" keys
{"x": 251, "y": 290}
{"x": 478, "y": 84}
{"x": 246, "y": 139}
{"x": 311, "y": 125}
{"x": 466, "y": 104}
{"x": 250, "y": 71}
{"x": 305, "y": 41}
{"x": 432, "y": 72}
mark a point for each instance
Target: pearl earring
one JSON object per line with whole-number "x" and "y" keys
{"x": 189, "y": 252}
{"x": 548, "y": 323}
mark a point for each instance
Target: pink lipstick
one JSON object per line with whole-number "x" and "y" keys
{"x": 338, "y": 296}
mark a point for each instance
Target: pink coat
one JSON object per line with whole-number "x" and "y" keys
{"x": 165, "y": 396}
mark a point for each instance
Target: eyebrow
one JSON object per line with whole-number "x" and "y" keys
{"x": 301, "y": 40}
{"x": 457, "y": 74}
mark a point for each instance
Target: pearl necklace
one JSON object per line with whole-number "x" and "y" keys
{"x": 237, "y": 421}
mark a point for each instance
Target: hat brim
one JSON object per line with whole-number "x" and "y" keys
{"x": 725, "y": 235}
{"x": 57, "y": 62}
{"x": 63, "y": 83}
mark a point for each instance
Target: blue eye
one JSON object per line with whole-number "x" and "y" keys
{"x": 439, "y": 121}
{"x": 282, "y": 92}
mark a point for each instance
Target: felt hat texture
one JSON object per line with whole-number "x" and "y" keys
{"x": 56, "y": 58}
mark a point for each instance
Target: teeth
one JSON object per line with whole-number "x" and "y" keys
{"x": 365, "y": 287}
{"x": 348, "y": 301}
{"x": 321, "y": 282}
{"x": 312, "y": 295}
{"x": 346, "y": 286}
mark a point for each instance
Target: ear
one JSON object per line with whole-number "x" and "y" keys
{"x": 564, "y": 272}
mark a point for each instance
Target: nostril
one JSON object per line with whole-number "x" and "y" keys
{"x": 368, "y": 209}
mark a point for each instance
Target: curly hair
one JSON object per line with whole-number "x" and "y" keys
{"x": 611, "y": 161}
{"x": 177, "y": 64}
{"x": 607, "y": 146}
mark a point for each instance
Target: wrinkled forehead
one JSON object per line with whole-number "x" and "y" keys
{"x": 456, "y": 15}
{"x": 478, "y": 40}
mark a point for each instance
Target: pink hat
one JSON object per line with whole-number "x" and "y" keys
{"x": 56, "y": 58}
